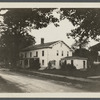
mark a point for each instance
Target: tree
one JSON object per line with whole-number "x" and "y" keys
{"x": 86, "y": 22}
{"x": 82, "y": 53}
{"x": 18, "y": 22}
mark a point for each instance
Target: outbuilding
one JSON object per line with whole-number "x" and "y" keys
{"x": 78, "y": 62}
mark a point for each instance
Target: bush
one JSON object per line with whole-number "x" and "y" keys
{"x": 68, "y": 67}
{"x": 94, "y": 70}
{"x": 34, "y": 64}
{"x": 51, "y": 65}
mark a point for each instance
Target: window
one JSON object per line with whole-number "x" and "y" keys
{"x": 57, "y": 52}
{"x": 25, "y": 54}
{"x": 42, "y": 62}
{"x": 42, "y": 53}
{"x": 72, "y": 62}
{"x": 30, "y": 54}
{"x": 62, "y": 53}
{"x": 67, "y": 53}
{"x": 36, "y": 53}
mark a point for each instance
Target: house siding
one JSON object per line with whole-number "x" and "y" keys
{"x": 78, "y": 63}
{"x": 50, "y": 54}
{"x": 53, "y": 53}
{"x": 39, "y": 56}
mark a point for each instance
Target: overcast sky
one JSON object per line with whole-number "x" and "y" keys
{"x": 52, "y": 33}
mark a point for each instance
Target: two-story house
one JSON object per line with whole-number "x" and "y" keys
{"x": 45, "y": 53}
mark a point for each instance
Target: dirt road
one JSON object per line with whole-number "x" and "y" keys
{"x": 35, "y": 84}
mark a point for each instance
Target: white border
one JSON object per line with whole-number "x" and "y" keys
{"x": 50, "y": 5}
{"x": 50, "y": 95}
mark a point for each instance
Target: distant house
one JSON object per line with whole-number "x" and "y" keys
{"x": 45, "y": 53}
{"x": 95, "y": 53}
{"x": 78, "y": 62}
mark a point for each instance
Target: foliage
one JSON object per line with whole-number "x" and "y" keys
{"x": 34, "y": 64}
{"x": 18, "y": 22}
{"x": 51, "y": 64}
{"x": 86, "y": 22}
{"x": 67, "y": 67}
{"x": 82, "y": 53}
{"x": 23, "y": 17}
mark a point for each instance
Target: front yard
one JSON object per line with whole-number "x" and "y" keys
{"x": 94, "y": 71}
{"x": 75, "y": 73}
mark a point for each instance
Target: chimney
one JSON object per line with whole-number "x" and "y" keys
{"x": 42, "y": 40}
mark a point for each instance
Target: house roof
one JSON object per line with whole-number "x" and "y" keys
{"x": 41, "y": 46}
{"x": 95, "y": 47}
{"x": 74, "y": 57}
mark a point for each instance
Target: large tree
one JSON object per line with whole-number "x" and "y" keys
{"x": 18, "y": 22}
{"x": 86, "y": 22}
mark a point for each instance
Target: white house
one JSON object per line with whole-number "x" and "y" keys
{"x": 45, "y": 53}
{"x": 78, "y": 62}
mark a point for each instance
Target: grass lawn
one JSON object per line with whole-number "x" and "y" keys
{"x": 74, "y": 73}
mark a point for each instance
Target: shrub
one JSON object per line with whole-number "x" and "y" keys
{"x": 68, "y": 67}
{"x": 51, "y": 64}
{"x": 94, "y": 70}
{"x": 34, "y": 64}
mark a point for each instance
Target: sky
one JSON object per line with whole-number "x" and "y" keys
{"x": 52, "y": 33}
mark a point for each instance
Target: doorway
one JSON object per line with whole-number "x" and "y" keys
{"x": 84, "y": 64}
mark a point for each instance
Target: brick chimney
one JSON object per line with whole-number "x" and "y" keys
{"x": 42, "y": 40}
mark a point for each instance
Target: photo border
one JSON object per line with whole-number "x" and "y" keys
{"x": 88, "y": 96}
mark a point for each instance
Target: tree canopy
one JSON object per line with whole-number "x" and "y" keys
{"x": 86, "y": 22}
{"x": 17, "y": 22}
